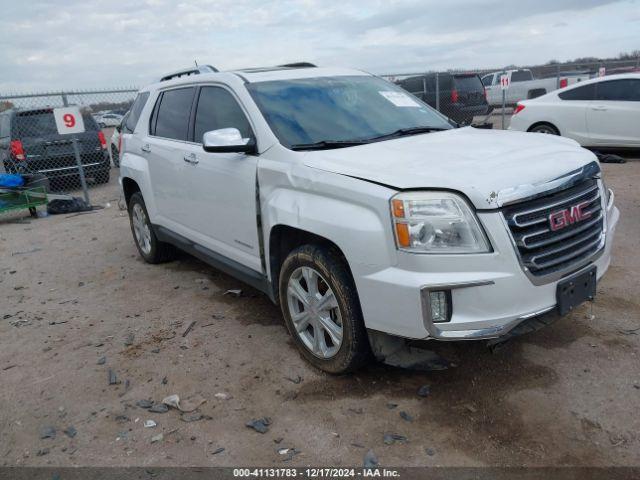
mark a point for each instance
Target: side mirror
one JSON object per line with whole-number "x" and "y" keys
{"x": 225, "y": 140}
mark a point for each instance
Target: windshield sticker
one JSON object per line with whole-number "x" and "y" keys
{"x": 399, "y": 99}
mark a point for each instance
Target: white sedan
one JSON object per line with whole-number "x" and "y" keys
{"x": 109, "y": 120}
{"x": 602, "y": 112}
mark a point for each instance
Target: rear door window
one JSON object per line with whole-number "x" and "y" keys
{"x": 521, "y": 76}
{"x": 216, "y": 109}
{"x": 585, "y": 92}
{"x": 627, "y": 90}
{"x": 135, "y": 111}
{"x": 173, "y": 113}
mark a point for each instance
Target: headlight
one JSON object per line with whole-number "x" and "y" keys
{"x": 436, "y": 222}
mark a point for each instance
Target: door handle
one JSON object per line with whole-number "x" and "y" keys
{"x": 599, "y": 108}
{"x": 145, "y": 148}
{"x": 191, "y": 158}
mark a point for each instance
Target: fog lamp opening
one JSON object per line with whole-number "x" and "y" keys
{"x": 440, "y": 304}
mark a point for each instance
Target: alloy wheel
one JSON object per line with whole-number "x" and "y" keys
{"x": 141, "y": 228}
{"x": 314, "y": 311}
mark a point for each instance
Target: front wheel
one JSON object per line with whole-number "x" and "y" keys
{"x": 321, "y": 309}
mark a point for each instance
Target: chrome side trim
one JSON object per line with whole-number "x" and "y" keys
{"x": 484, "y": 333}
{"x": 610, "y": 199}
{"x": 74, "y": 167}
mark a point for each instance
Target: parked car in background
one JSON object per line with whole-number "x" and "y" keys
{"x": 30, "y": 143}
{"x": 109, "y": 120}
{"x": 523, "y": 85}
{"x": 601, "y": 112}
{"x": 360, "y": 211}
{"x": 116, "y": 141}
{"x": 461, "y": 95}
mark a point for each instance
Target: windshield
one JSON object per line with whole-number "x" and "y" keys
{"x": 340, "y": 109}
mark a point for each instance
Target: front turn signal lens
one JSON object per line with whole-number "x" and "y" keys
{"x": 402, "y": 234}
{"x": 398, "y": 208}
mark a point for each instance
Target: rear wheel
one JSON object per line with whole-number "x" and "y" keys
{"x": 545, "y": 128}
{"x": 151, "y": 249}
{"x": 321, "y": 309}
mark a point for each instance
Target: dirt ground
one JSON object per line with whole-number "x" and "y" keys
{"x": 74, "y": 291}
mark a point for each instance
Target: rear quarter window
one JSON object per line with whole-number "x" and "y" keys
{"x": 521, "y": 76}
{"x": 135, "y": 111}
{"x": 487, "y": 80}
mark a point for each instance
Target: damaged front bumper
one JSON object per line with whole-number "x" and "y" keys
{"x": 489, "y": 294}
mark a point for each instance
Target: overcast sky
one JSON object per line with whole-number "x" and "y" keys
{"x": 97, "y": 43}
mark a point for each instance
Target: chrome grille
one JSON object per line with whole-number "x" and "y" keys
{"x": 544, "y": 251}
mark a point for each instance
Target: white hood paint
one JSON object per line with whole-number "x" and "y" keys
{"x": 479, "y": 163}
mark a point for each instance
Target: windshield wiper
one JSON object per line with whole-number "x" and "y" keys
{"x": 402, "y": 132}
{"x": 328, "y": 144}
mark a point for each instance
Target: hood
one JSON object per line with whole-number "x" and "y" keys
{"x": 491, "y": 167}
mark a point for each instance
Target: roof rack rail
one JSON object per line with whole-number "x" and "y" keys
{"x": 298, "y": 65}
{"x": 189, "y": 71}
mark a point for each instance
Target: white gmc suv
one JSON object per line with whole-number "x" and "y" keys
{"x": 361, "y": 211}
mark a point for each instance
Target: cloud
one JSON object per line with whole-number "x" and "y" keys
{"x": 69, "y": 44}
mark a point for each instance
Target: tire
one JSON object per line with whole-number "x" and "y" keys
{"x": 115, "y": 156}
{"x": 102, "y": 125}
{"x": 328, "y": 272}
{"x": 156, "y": 251}
{"x": 545, "y": 128}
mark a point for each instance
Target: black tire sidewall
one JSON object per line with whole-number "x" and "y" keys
{"x": 354, "y": 347}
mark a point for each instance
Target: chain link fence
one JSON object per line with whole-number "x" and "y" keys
{"x": 62, "y": 152}
{"x": 61, "y": 144}
{"x": 476, "y": 96}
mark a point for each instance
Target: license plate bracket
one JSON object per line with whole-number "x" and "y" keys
{"x": 576, "y": 290}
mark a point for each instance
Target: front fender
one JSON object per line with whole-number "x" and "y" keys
{"x": 356, "y": 229}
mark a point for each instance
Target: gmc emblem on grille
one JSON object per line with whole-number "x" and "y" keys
{"x": 563, "y": 218}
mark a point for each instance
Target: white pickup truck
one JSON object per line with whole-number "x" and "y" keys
{"x": 361, "y": 211}
{"x": 522, "y": 85}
